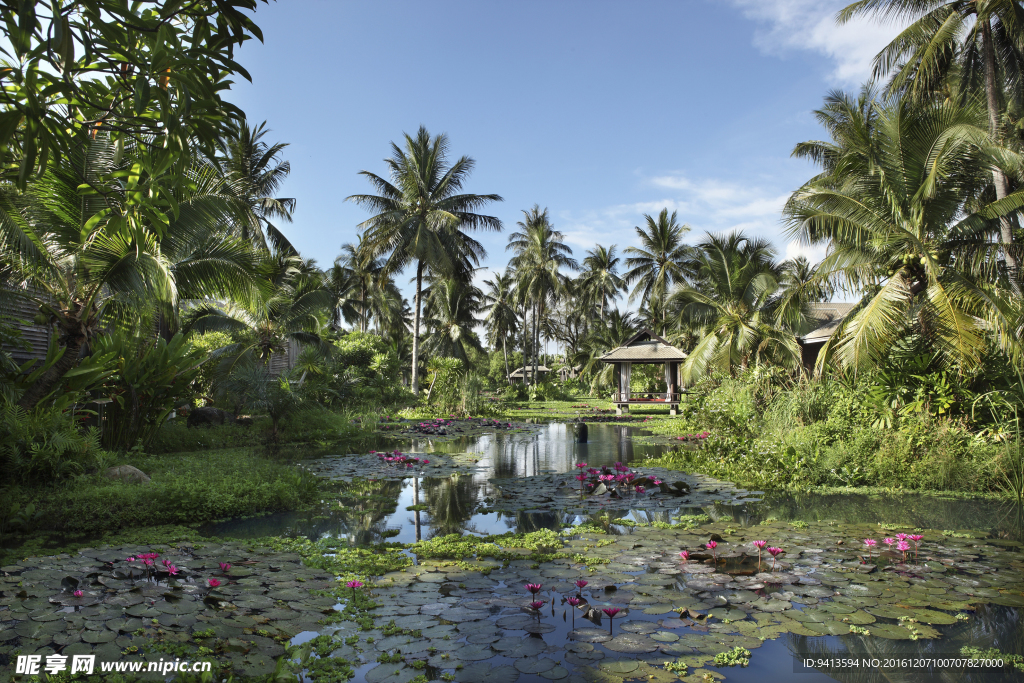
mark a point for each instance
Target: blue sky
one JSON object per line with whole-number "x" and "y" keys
{"x": 600, "y": 111}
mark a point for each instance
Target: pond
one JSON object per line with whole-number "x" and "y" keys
{"x": 462, "y": 504}
{"x": 599, "y": 593}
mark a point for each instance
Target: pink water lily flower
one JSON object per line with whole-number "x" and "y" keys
{"x": 172, "y": 570}
{"x": 641, "y": 489}
{"x": 889, "y": 541}
{"x": 534, "y": 588}
{"x": 537, "y": 604}
{"x": 685, "y": 554}
{"x": 903, "y": 547}
{"x": 78, "y": 594}
{"x": 760, "y": 546}
{"x": 611, "y": 612}
{"x": 774, "y": 552}
{"x": 224, "y": 566}
{"x": 711, "y": 545}
{"x": 902, "y": 537}
{"x": 870, "y": 543}
{"x": 581, "y": 465}
{"x": 213, "y": 583}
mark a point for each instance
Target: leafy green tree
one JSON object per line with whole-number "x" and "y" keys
{"x": 895, "y": 212}
{"x": 655, "y": 265}
{"x": 979, "y": 39}
{"x": 540, "y": 254}
{"x": 600, "y": 279}
{"x": 735, "y": 303}
{"x": 501, "y": 321}
{"x": 359, "y": 272}
{"x": 92, "y": 258}
{"x": 421, "y": 216}
{"x": 149, "y": 73}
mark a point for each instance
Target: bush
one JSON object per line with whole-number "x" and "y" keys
{"x": 46, "y": 445}
{"x": 176, "y": 437}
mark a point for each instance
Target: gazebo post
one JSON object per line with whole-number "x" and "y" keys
{"x": 673, "y": 371}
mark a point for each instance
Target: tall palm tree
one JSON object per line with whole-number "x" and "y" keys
{"x": 254, "y": 173}
{"x": 452, "y": 304}
{"x": 600, "y": 279}
{"x": 501, "y": 321}
{"x": 421, "y": 216}
{"x": 89, "y": 260}
{"x": 895, "y": 216}
{"x": 981, "y": 39}
{"x": 618, "y": 329}
{"x": 800, "y": 277}
{"x": 734, "y": 304}
{"x": 655, "y": 265}
{"x": 540, "y": 254}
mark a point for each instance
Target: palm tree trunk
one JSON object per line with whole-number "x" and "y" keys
{"x": 998, "y": 178}
{"x": 536, "y": 341}
{"x": 504, "y": 351}
{"x": 415, "y": 380}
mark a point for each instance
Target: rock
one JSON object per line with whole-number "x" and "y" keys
{"x": 209, "y": 416}
{"x": 127, "y": 473}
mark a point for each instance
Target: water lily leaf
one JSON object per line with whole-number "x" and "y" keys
{"x": 631, "y": 643}
{"x": 590, "y": 635}
{"x": 664, "y": 637}
{"x": 529, "y": 665}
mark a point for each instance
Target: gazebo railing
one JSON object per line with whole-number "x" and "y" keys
{"x": 646, "y": 397}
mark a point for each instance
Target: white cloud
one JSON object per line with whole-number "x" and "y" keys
{"x": 810, "y": 25}
{"x": 812, "y": 253}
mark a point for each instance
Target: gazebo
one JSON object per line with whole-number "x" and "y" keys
{"x": 650, "y": 349}
{"x": 526, "y": 374}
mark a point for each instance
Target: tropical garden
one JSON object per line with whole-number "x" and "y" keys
{"x": 168, "y": 358}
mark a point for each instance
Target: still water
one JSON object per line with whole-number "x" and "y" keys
{"x": 458, "y": 504}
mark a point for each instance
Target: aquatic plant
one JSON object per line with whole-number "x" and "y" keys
{"x": 611, "y": 612}
{"x": 213, "y": 583}
{"x": 774, "y": 552}
{"x": 224, "y": 566}
{"x": 759, "y": 545}
{"x": 581, "y": 584}
{"x": 534, "y": 588}
{"x": 889, "y": 542}
{"x": 574, "y": 602}
{"x": 711, "y": 545}
{"x": 685, "y": 554}
{"x": 903, "y": 547}
{"x": 870, "y": 543}
{"x": 354, "y": 585}
{"x": 916, "y": 538}
{"x": 537, "y": 604}
{"x": 78, "y": 594}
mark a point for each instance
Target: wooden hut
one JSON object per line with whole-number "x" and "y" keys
{"x": 646, "y": 348}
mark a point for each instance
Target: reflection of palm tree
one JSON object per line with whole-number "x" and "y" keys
{"x": 527, "y": 522}
{"x": 364, "y": 523}
{"x": 451, "y": 503}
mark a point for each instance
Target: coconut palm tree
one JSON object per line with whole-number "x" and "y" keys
{"x": 501, "y": 321}
{"x": 254, "y": 172}
{"x": 734, "y": 302}
{"x": 92, "y": 259}
{"x": 295, "y": 305}
{"x": 979, "y": 39}
{"x": 655, "y": 265}
{"x": 540, "y": 254}
{"x": 895, "y": 214}
{"x": 618, "y": 329}
{"x": 600, "y": 279}
{"x": 450, "y": 318}
{"x": 421, "y": 216}
{"x": 365, "y": 273}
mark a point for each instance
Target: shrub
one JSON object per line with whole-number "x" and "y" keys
{"x": 46, "y": 445}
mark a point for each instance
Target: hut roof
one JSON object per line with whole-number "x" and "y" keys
{"x": 645, "y": 347}
{"x": 825, "y": 318}
{"x": 518, "y": 372}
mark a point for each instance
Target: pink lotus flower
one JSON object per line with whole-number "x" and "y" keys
{"x": 537, "y": 604}
{"x": 656, "y": 482}
{"x": 581, "y": 584}
{"x": 172, "y": 570}
{"x": 581, "y": 465}
{"x": 774, "y": 552}
{"x": 213, "y": 583}
{"x": 759, "y": 545}
{"x": 533, "y": 587}
{"x": 611, "y": 612}
{"x": 78, "y": 594}
{"x": 685, "y": 554}
{"x": 224, "y": 566}
{"x": 711, "y": 545}
{"x": 903, "y": 547}
{"x": 148, "y": 562}
{"x": 574, "y": 601}
{"x": 916, "y": 538}
{"x": 641, "y": 489}
{"x": 870, "y": 543}
{"x": 129, "y": 559}
{"x": 902, "y": 537}
{"x": 581, "y": 477}
{"x": 354, "y": 584}
{"x": 889, "y": 542}
{"x": 166, "y": 562}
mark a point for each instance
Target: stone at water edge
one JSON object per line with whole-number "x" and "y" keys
{"x": 127, "y": 473}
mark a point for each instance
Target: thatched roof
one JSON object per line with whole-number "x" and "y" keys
{"x": 645, "y": 347}
{"x": 518, "y": 372}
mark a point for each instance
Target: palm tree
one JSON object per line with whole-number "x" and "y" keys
{"x": 254, "y": 173}
{"x": 421, "y": 216}
{"x": 89, "y": 260}
{"x": 801, "y": 278}
{"x": 980, "y": 39}
{"x": 365, "y": 273}
{"x": 618, "y": 329}
{"x": 450, "y": 318}
{"x": 895, "y": 216}
{"x": 540, "y": 254}
{"x": 655, "y": 265}
{"x": 293, "y": 305}
{"x": 600, "y": 279}
{"x": 501, "y": 321}
{"x": 734, "y": 303}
